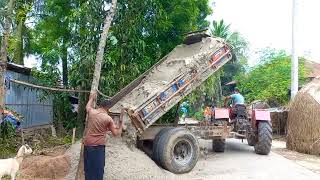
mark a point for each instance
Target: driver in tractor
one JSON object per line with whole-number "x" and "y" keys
{"x": 237, "y": 101}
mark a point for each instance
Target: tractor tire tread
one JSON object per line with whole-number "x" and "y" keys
{"x": 264, "y": 140}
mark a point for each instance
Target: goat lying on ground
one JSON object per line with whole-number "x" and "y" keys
{"x": 11, "y": 166}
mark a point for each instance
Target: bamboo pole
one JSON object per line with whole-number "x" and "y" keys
{"x": 96, "y": 76}
{"x": 55, "y": 89}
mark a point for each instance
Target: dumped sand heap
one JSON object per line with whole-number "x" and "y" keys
{"x": 304, "y": 120}
{"x": 122, "y": 163}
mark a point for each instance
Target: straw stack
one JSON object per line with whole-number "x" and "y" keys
{"x": 304, "y": 120}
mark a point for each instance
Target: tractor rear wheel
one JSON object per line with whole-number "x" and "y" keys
{"x": 264, "y": 139}
{"x": 218, "y": 145}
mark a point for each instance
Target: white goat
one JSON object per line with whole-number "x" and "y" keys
{"x": 11, "y": 166}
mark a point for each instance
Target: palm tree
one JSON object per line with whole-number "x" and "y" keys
{"x": 220, "y": 29}
{"x": 239, "y": 48}
{"x": 234, "y": 39}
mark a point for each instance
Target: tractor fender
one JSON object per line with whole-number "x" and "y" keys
{"x": 260, "y": 115}
{"x": 221, "y": 113}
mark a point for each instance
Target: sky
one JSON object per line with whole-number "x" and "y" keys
{"x": 267, "y": 23}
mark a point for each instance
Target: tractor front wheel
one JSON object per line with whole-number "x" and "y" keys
{"x": 218, "y": 145}
{"x": 264, "y": 139}
{"x": 251, "y": 139}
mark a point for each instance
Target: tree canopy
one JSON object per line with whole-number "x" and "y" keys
{"x": 64, "y": 35}
{"x": 270, "y": 79}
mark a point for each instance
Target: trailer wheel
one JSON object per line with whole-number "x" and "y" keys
{"x": 180, "y": 151}
{"x": 251, "y": 139}
{"x": 155, "y": 147}
{"x": 263, "y": 145}
{"x": 218, "y": 145}
{"x": 162, "y": 141}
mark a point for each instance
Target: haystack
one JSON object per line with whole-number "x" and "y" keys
{"x": 304, "y": 120}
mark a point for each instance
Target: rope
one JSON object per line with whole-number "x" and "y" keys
{"x": 55, "y": 89}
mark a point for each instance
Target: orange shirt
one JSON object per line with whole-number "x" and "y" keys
{"x": 207, "y": 111}
{"x": 98, "y": 125}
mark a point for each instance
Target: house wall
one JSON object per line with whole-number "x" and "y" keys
{"x": 25, "y": 101}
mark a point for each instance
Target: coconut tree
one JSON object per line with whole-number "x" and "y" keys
{"x": 239, "y": 48}
{"x": 220, "y": 29}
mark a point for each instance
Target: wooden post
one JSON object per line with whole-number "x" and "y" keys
{"x": 22, "y": 136}
{"x": 73, "y": 135}
{"x": 96, "y": 75}
{"x": 53, "y": 131}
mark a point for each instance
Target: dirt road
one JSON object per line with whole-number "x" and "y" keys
{"x": 238, "y": 162}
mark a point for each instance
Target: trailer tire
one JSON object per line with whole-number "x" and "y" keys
{"x": 179, "y": 151}
{"x": 155, "y": 147}
{"x": 218, "y": 145}
{"x": 162, "y": 141}
{"x": 264, "y": 139}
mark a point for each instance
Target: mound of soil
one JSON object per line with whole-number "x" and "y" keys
{"x": 45, "y": 167}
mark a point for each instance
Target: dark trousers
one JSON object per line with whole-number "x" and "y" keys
{"x": 94, "y": 161}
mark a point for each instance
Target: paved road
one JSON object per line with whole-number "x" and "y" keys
{"x": 240, "y": 162}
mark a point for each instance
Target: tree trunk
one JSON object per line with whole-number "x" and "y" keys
{"x": 219, "y": 103}
{"x": 18, "y": 50}
{"x": 81, "y": 116}
{"x": 64, "y": 59}
{"x": 96, "y": 75}
{"x": 4, "y": 47}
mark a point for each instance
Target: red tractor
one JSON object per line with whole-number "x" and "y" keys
{"x": 253, "y": 125}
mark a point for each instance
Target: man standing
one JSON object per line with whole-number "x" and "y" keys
{"x": 99, "y": 123}
{"x": 184, "y": 109}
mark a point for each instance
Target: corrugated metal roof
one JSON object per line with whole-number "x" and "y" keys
{"x": 18, "y": 68}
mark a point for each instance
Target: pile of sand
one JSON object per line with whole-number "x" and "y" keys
{"x": 304, "y": 120}
{"x": 122, "y": 163}
{"x": 45, "y": 167}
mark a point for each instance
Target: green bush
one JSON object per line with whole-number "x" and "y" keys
{"x": 270, "y": 80}
{"x": 7, "y": 140}
{"x": 198, "y": 115}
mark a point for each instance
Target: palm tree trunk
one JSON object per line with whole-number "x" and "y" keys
{"x": 96, "y": 75}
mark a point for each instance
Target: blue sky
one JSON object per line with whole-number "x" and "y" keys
{"x": 267, "y": 23}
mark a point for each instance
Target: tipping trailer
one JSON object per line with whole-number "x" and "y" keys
{"x": 157, "y": 90}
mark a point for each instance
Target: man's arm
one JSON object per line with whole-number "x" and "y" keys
{"x": 226, "y": 100}
{"x": 116, "y": 131}
{"x": 92, "y": 98}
